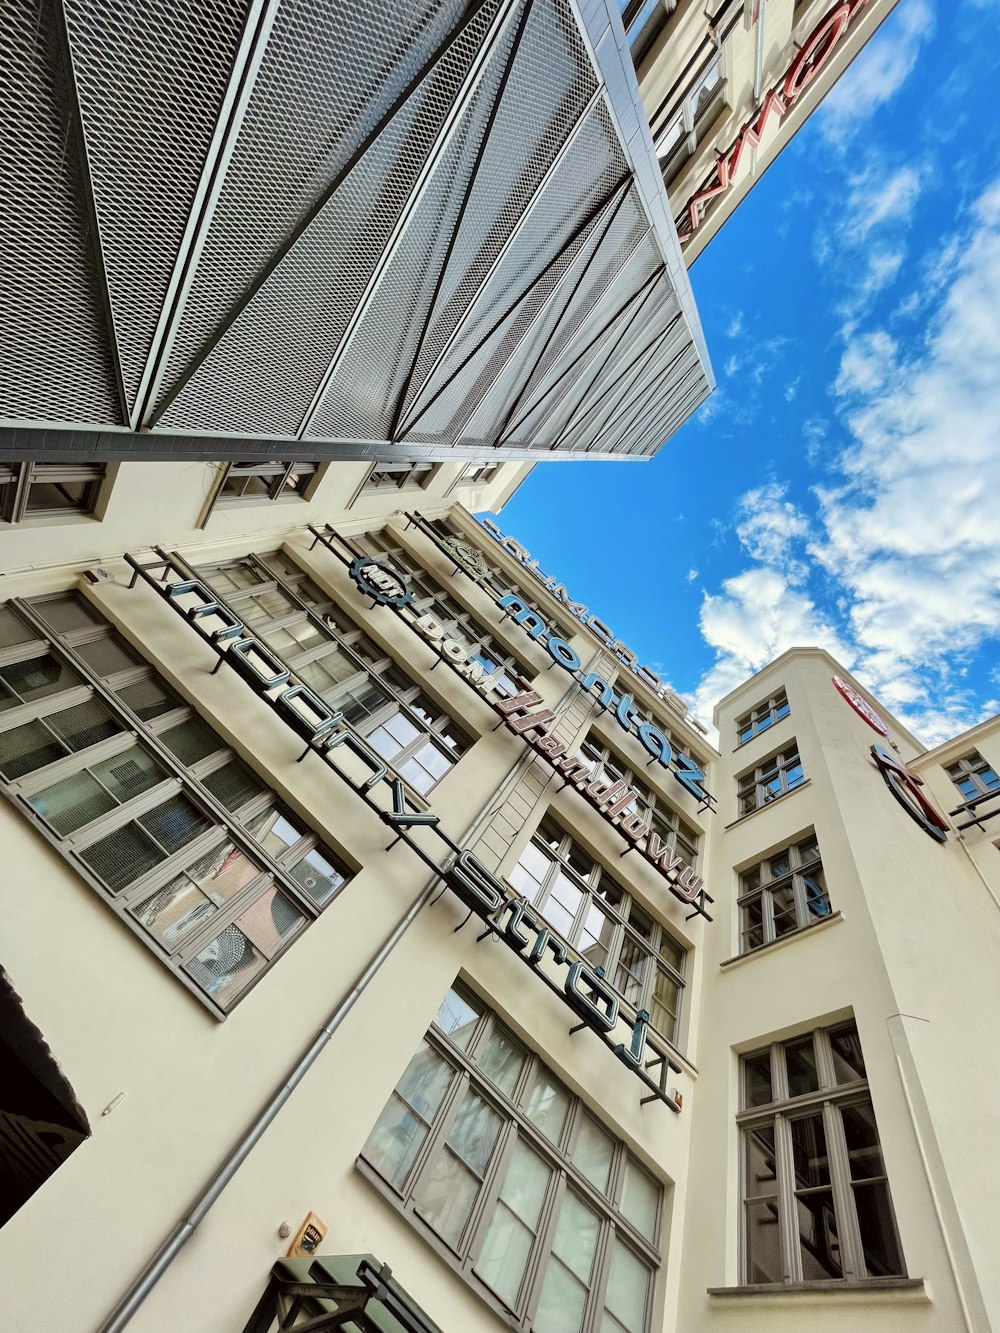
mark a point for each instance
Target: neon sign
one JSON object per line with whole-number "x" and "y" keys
{"x": 906, "y": 786}
{"x": 581, "y": 987}
{"x": 813, "y": 55}
{"x": 861, "y": 705}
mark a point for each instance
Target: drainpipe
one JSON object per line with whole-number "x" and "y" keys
{"x": 184, "y": 1230}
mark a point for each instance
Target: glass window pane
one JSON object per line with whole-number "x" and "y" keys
{"x": 24, "y": 749}
{"x": 66, "y": 613}
{"x": 123, "y": 856}
{"x": 761, "y": 1162}
{"x": 819, "y": 1243}
{"x": 226, "y": 966}
{"x": 36, "y": 678}
{"x": 505, "y": 1254}
{"x": 848, "y": 1062}
{"x": 763, "y": 1242}
{"x": 800, "y": 1059}
{"x": 575, "y": 1241}
{"x": 270, "y": 920}
{"x": 106, "y": 656}
{"x": 425, "y": 1081}
{"x": 447, "y": 1196}
{"x": 128, "y": 774}
{"x": 70, "y": 804}
{"x": 502, "y": 1060}
{"x": 395, "y": 1140}
{"x": 190, "y": 741}
{"x": 84, "y": 725}
{"x": 547, "y": 1106}
{"x": 757, "y": 1073}
{"x": 275, "y": 832}
{"x": 811, "y": 1163}
{"x": 474, "y": 1133}
{"x": 232, "y": 785}
{"x": 640, "y": 1199}
{"x": 878, "y": 1230}
{"x": 317, "y": 877}
{"x": 593, "y": 1152}
{"x": 863, "y": 1150}
{"x": 147, "y": 699}
{"x": 457, "y": 1018}
{"x": 561, "y": 1306}
{"x": 175, "y": 823}
{"x": 628, "y": 1287}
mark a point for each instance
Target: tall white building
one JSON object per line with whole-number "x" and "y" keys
{"x": 359, "y": 878}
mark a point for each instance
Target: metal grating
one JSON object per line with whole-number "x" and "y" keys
{"x": 151, "y": 93}
{"x": 57, "y": 358}
{"x": 416, "y": 232}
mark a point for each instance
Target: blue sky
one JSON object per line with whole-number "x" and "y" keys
{"x": 842, "y": 486}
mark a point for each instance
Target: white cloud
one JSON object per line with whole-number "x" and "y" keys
{"x": 878, "y": 72}
{"x": 735, "y": 325}
{"x": 692, "y": 575}
{"x": 732, "y": 365}
{"x": 876, "y": 198}
{"x": 905, "y": 546}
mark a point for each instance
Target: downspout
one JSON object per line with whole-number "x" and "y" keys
{"x": 123, "y": 1313}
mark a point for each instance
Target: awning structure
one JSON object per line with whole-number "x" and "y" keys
{"x": 353, "y": 1292}
{"x": 328, "y": 229}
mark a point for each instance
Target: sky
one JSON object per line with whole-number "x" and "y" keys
{"x": 842, "y": 486}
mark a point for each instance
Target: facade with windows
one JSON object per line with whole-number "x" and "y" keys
{"x": 709, "y": 73}
{"x": 242, "y": 926}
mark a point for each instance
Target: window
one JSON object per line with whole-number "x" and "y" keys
{"x": 48, "y": 490}
{"x": 575, "y": 895}
{"x": 973, "y": 776}
{"x": 760, "y": 718}
{"x": 776, "y": 776}
{"x": 397, "y": 476}
{"x": 478, "y": 474}
{"x": 677, "y": 138}
{"x": 139, "y": 794}
{"x": 816, "y": 1203}
{"x": 264, "y": 481}
{"x": 671, "y": 829}
{"x": 430, "y": 599}
{"x": 538, "y": 1206}
{"x": 326, "y": 650}
{"x": 783, "y": 894}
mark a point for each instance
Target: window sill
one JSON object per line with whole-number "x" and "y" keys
{"x": 769, "y": 806}
{"x": 819, "y": 924}
{"x": 742, "y": 745}
{"x": 884, "y": 1290}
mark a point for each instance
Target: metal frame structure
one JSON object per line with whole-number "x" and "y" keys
{"x": 319, "y": 232}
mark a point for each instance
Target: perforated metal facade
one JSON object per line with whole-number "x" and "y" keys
{"x": 404, "y": 232}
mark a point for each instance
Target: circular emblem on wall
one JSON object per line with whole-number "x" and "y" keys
{"x": 380, "y": 581}
{"x": 469, "y": 557}
{"x": 861, "y": 706}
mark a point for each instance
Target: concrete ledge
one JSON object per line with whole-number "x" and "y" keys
{"x": 819, "y": 924}
{"x": 880, "y": 1290}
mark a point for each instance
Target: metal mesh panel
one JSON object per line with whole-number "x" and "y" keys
{"x": 57, "y": 359}
{"x": 84, "y": 725}
{"x": 65, "y": 614}
{"x": 553, "y": 410}
{"x": 267, "y": 367}
{"x": 561, "y": 207}
{"x": 13, "y": 630}
{"x": 121, "y": 857}
{"x": 313, "y": 104}
{"x": 151, "y": 84}
{"x": 550, "y": 82}
{"x": 361, "y": 396}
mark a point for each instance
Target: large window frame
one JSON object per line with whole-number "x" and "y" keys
{"x": 18, "y": 480}
{"x": 669, "y": 826}
{"x": 782, "y": 895}
{"x": 508, "y": 671}
{"x": 137, "y": 792}
{"x": 310, "y": 633}
{"x": 505, "y": 1172}
{"x": 809, "y": 1151}
{"x": 398, "y": 477}
{"x": 260, "y": 482}
{"x": 761, "y": 717}
{"x": 640, "y": 957}
{"x": 676, "y": 141}
{"x": 974, "y": 776}
{"x": 774, "y": 777}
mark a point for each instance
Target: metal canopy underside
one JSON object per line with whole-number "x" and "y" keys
{"x": 316, "y": 229}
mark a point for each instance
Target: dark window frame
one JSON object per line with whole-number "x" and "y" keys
{"x": 767, "y": 1140}
{"x": 795, "y": 869}
{"x": 629, "y": 944}
{"x": 977, "y": 774}
{"x": 557, "y": 1155}
{"x": 17, "y": 480}
{"x": 671, "y": 827}
{"x": 178, "y": 818}
{"x": 398, "y": 477}
{"x": 281, "y": 480}
{"x": 762, "y": 717}
{"x": 777, "y": 775}
{"x": 373, "y": 692}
